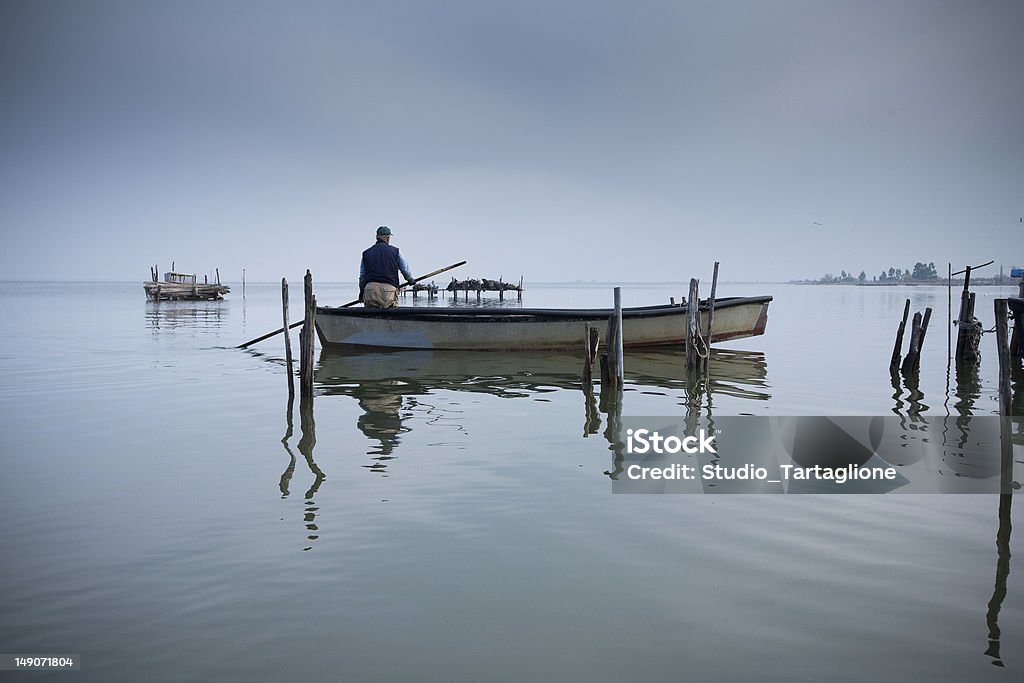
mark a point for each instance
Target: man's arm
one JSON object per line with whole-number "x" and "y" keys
{"x": 362, "y": 278}
{"x": 404, "y": 267}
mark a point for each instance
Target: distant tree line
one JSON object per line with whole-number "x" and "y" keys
{"x": 923, "y": 272}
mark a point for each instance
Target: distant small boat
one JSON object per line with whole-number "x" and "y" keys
{"x": 521, "y": 329}
{"x": 183, "y": 287}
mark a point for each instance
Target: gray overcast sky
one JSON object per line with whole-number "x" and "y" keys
{"x": 631, "y": 141}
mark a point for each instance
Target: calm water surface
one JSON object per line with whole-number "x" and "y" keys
{"x": 167, "y": 514}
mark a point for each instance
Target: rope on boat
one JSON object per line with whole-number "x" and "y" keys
{"x": 703, "y": 342}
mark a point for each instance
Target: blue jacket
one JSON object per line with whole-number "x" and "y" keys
{"x": 382, "y": 263}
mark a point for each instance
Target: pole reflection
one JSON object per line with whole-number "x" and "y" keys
{"x": 306, "y": 444}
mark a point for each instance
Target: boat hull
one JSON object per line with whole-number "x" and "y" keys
{"x": 505, "y": 329}
{"x": 181, "y": 291}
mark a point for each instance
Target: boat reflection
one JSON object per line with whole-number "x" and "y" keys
{"x": 388, "y": 385}
{"x": 171, "y": 315}
{"x": 735, "y": 373}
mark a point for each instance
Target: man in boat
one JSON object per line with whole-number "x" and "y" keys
{"x": 378, "y": 272}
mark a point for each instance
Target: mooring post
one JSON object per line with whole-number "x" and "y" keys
{"x": 949, "y": 314}
{"x": 920, "y": 339}
{"x": 611, "y": 385}
{"x": 591, "y": 342}
{"x": 1005, "y": 402}
{"x": 287, "y": 339}
{"x": 606, "y": 376}
{"x": 910, "y": 361}
{"x": 620, "y": 370}
{"x": 963, "y": 318}
{"x": 897, "y": 349}
{"x": 587, "y": 377}
{"x": 711, "y": 315}
{"x": 243, "y": 283}
{"x": 1003, "y": 345}
{"x": 307, "y": 338}
{"x": 692, "y": 325}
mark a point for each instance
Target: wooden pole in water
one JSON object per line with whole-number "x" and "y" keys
{"x": 1005, "y": 406}
{"x": 612, "y": 361}
{"x": 1003, "y": 344}
{"x": 963, "y": 318}
{"x": 606, "y": 376}
{"x": 711, "y": 315}
{"x": 307, "y": 338}
{"x": 897, "y": 349}
{"x": 587, "y": 378}
{"x": 920, "y": 340}
{"x": 915, "y": 337}
{"x": 692, "y": 325}
{"x": 287, "y": 339}
{"x": 619, "y": 370}
{"x": 949, "y": 312}
{"x": 243, "y": 283}
{"x": 591, "y": 342}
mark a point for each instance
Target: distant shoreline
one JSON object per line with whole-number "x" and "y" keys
{"x": 979, "y": 282}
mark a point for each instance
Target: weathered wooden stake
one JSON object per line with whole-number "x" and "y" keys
{"x": 617, "y": 340}
{"x": 612, "y": 361}
{"x": 692, "y": 325}
{"x": 924, "y": 331}
{"x": 1003, "y": 345}
{"x": 949, "y": 314}
{"x": 1005, "y": 403}
{"x": 243, "y": 283}
{"x": 920, "y": 340}
{"x": 1017, "y": 334}
{"x": 915, "y": 336}
{"x": 897, "y": 349}
{"x": 287, "y": 339}
{"x": 606, "y": 377}
{"x": 966, "y": 344}
{"x": 591, "y": 342}
{"x": 711, "y": 315}
{"x": 306, "y": 338}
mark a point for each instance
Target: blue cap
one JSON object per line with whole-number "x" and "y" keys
{"x": 383, "y": 231}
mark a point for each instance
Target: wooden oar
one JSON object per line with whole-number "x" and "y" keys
{"x": 268, "y": 335}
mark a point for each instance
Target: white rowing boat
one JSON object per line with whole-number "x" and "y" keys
{"x": 519, "y": 329}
